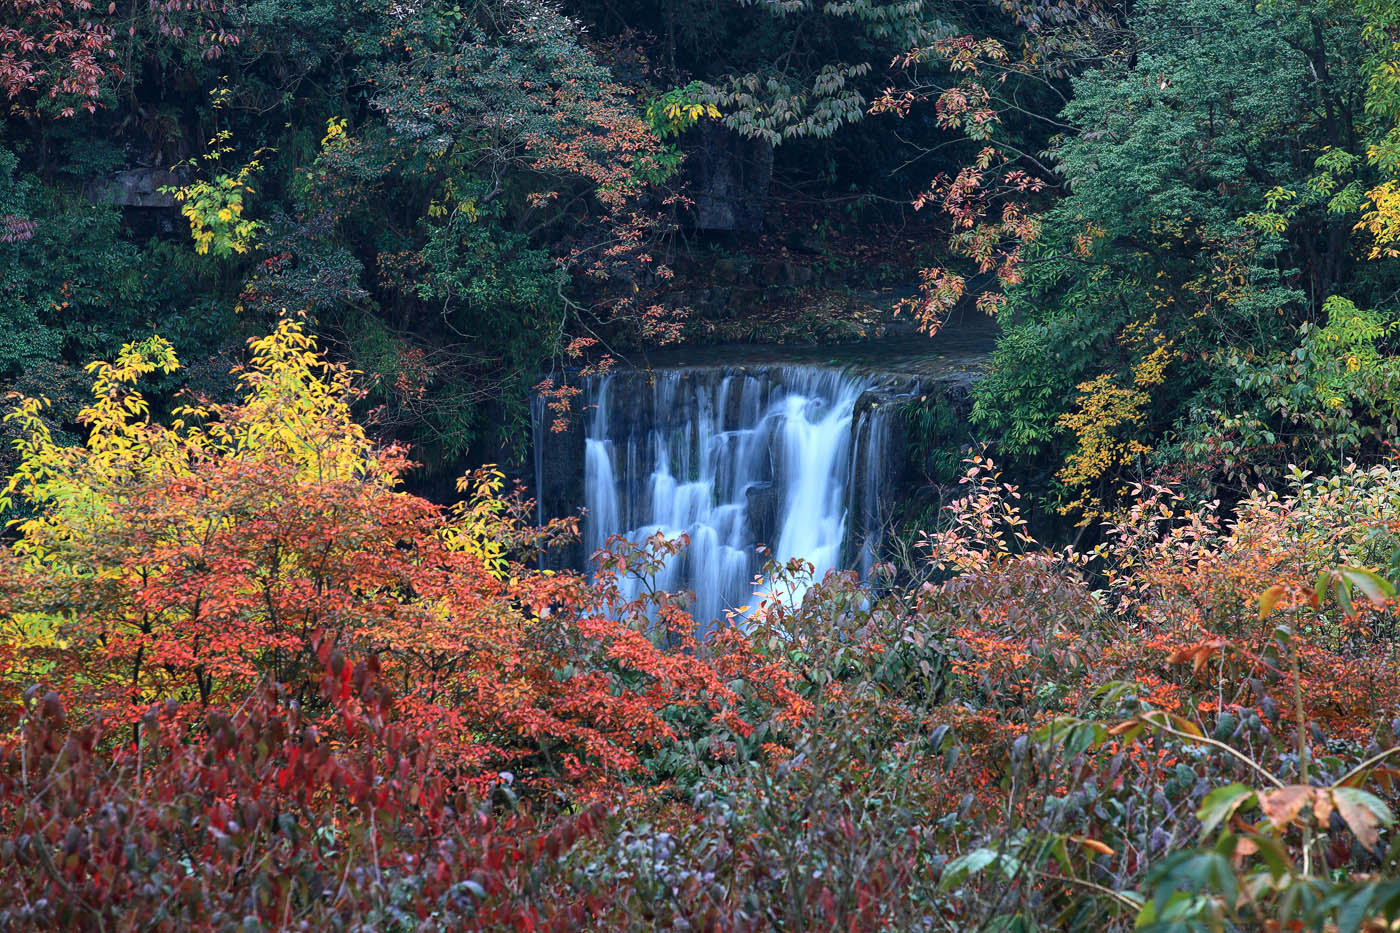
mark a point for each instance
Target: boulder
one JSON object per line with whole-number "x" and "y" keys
{"x": 140, "y": 187}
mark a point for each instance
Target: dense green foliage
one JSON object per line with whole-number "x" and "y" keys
{"x": 1215, "y": 170}
{"x": 440, "y": 188}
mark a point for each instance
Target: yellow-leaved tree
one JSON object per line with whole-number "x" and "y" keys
{"x": 1106, "y": 421}
{"x": 294, "y": 411}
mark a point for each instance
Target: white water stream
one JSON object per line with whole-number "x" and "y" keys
{"x": 732, "y": 459}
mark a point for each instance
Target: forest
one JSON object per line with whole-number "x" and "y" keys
{"x": 725, "y": 465}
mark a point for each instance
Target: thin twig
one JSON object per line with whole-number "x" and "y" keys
{"x": 1223, "y": 747}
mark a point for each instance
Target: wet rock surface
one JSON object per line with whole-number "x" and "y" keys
{"x": 956, "y": 355}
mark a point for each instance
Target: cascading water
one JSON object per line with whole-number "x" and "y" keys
{"x": 734, "y": 458}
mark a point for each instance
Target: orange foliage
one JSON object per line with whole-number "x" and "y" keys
{"x": 200, "y": 583}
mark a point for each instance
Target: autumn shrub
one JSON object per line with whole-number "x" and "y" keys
{"x": 819, "y": 816}
{"x": 1185, "y": 673}
{"x": 192, "y": 561}
{"x": 266, "y": 817}
{"x": 1164, "y": 732}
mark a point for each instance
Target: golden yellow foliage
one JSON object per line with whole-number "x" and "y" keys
{"x": 1103, "y": 410}
{"x": 294, "y": 410}
{"x": 214, "y": 208}
{"x": 1380, "y": 217}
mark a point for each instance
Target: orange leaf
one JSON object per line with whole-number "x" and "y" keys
{"x": 1268, "y": 599}
{"x": 1282, "y": 806}
{"x": 1322, "y": 809}
{"x": 1099, "y": 847}
{"x": 1359, "y": 810}
{"x": 1244, "y": 847}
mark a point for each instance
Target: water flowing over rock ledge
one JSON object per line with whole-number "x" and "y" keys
{"x": 800, "y": 449}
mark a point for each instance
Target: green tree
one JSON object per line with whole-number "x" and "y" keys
{"x": 1213, "y": 174}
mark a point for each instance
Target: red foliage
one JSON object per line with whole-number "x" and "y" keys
{"x": 175, "y": 19}
{"x": 263, "y": 813}
{"x": 16, "y": 229}
{"x": 277, "y": 689}
{"x": 54, "y": 50}
{"x": 213, "y": 582}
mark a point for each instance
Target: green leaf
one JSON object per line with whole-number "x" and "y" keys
{"x": 1060, "y": 851}
{"x": 1324, "y": 578}
{"x": 1355, "y": 911}
{"x": 1377, "y": 589}
{"x": 976, "y": 861}
{"x": 1220, "y": 804}
{"x": 1273, "y": 853}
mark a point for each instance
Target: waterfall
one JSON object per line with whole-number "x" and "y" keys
{"x": 788, "y": 456}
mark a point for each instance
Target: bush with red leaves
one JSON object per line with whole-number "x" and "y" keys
{"x": 263, "y": 816}
{"x": 54, "y": 51}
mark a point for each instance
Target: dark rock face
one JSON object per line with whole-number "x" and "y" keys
{"x": 880, "y": 452}
{"x": 558, "y": 479}
{"x": 763, "y": 506}
{"x": 730, "y": 176}
{"x": 140, "y": 187}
